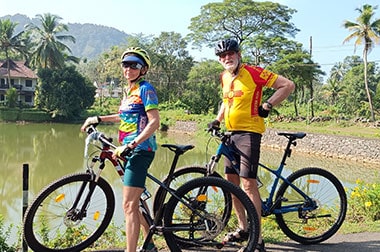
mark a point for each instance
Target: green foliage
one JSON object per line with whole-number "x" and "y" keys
{"x": 4, "y": 235}
{"x": 364, "y": 201}
{"x": 11, "y": 95}
{"x": 242, "y": 19}
{"x": 203, "y": 92}
{"x": 64, "y": 92}
{"x": 48, "y": 39}
{"x": 11, "y": 114}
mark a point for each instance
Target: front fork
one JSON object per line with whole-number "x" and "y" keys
{"x": 77, "y": 213}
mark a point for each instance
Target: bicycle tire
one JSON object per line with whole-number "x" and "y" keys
{"x": 47, "y": 224}
{"x": 323, "y": 222}
{"x": 203, "y": 225}
{"x": 179, "y": 177}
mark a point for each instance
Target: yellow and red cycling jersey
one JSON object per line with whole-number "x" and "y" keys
{"x": 242, "y": 96}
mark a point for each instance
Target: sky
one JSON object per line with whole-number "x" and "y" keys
{"x": 319, "y": 21}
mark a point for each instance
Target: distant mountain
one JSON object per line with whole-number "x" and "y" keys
{"x": 91, "y": 39}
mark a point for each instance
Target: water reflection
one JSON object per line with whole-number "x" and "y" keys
{"x": 53, "y": 150}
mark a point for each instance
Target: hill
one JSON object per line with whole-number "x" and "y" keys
{"x": 91, "y": 39}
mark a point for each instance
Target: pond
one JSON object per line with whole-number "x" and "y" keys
{"x": 53, "y": 150}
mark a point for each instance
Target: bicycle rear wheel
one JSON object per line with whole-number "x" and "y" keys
{"x": 53, "y": 223}
{"x": 315, "y": 221}
{"x": 195, "y": 214}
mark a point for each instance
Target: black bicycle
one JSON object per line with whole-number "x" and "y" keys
{"x": 72, "y": 212}
{"x": 309, "y": 205}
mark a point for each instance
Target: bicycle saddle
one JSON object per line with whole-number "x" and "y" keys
{"x": 299, "y": 135}
{"x": 178, "y": 148}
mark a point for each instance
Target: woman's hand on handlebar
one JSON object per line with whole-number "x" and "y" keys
{"x": 93, "y": 120}
{"x": 122, "y": 151}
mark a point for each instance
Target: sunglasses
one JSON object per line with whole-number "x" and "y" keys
{"x": 225, "y": 54}
{"x": 132, "y": 65}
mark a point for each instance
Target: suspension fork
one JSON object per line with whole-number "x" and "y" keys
{"x": 91, "y": 187}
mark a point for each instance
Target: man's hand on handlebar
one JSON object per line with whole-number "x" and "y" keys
{"x": 214, "y": 125}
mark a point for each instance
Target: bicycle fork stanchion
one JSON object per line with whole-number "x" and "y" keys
{"x": 25, "y": 192}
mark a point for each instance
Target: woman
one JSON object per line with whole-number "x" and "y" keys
{"x": 139, "y": 119}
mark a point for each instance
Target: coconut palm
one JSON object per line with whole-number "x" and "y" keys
{"x": 368, "y": 32}
{"x": 50, "y": 50}
{"x": 10, "y": 42}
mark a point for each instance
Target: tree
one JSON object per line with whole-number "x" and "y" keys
{"x": 172, "y": 63}
{"x": 50, "y": 50}
{"x": 241, "y": 19}
{"x": 298, "y": 66}
{"x": 203, "y": 79}
{"x": 368, "y": 32}
{"x": 11, "y": 43}
{"x": 64, "y": 92}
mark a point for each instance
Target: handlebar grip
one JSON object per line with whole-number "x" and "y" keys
{"x": 127, "y": 152}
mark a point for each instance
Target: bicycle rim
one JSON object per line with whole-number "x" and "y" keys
{"x": 180, "y": 177}
{"x": 203, "y": 225}
{"x": 310, "y": 226}
{"x": 49, "y": 224}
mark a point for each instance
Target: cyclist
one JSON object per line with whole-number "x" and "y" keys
{"x": 139, "y": 119}
{"x": 243, "y": 112}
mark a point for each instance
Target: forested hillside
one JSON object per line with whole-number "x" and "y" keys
{"x": 91, "y": 40}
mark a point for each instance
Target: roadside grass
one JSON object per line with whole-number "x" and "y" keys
{"x": 363, "y": 130}
{"x": 330, "y": 127}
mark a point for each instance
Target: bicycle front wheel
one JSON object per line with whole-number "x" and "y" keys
{"x": 55, "y": 222}
{"x": 195, "y": 214}
{"x": 179, "y": 177}
{"x": 316, "y": 220}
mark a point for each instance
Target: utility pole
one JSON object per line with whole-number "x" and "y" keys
{"x": 311, "y": 81}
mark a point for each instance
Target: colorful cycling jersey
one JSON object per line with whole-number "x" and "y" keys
{"x": 242, "y": 96}
{"x": 132, "y": 111}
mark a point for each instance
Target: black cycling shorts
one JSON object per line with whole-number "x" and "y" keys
{"x": 247, "y": 145}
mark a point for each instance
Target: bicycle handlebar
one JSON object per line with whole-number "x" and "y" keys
{"x": 216, "y": 132}
{"x": 95, "y": 135}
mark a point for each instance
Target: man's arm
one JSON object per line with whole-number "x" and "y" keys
{"x": 284, "y": 88}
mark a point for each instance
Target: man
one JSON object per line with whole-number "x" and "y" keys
{"x": 243, "y": 112}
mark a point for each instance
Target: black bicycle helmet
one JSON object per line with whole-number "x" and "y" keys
{"x": 226, "y": 45}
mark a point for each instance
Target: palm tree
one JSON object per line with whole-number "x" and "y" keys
{"x": 11, "y": 43}
{"x": 50, "y": 51}
{"x": 368, "y": 32}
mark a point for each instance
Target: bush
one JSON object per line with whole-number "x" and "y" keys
{"x": 364, "y": 201}
{"x": 4, "y": 235}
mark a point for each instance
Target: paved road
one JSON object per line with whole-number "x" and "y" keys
{"x": 361, "y": 242}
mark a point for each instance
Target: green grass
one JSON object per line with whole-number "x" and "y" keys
{"x": 331, "y": 128}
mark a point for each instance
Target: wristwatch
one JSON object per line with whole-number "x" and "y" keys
{"x": 133, "y": 143}
{"x": 269, "y": 105}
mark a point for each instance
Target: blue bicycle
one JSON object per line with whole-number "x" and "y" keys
{"x": 309, "y": 205}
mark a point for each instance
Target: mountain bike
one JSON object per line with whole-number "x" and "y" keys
{"x": 71, "y": 213}
{"x": 309, "y": 205}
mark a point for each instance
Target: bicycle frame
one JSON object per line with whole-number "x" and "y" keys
{"x": 269, "y": 206}
{"x": 106, "y": 154}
